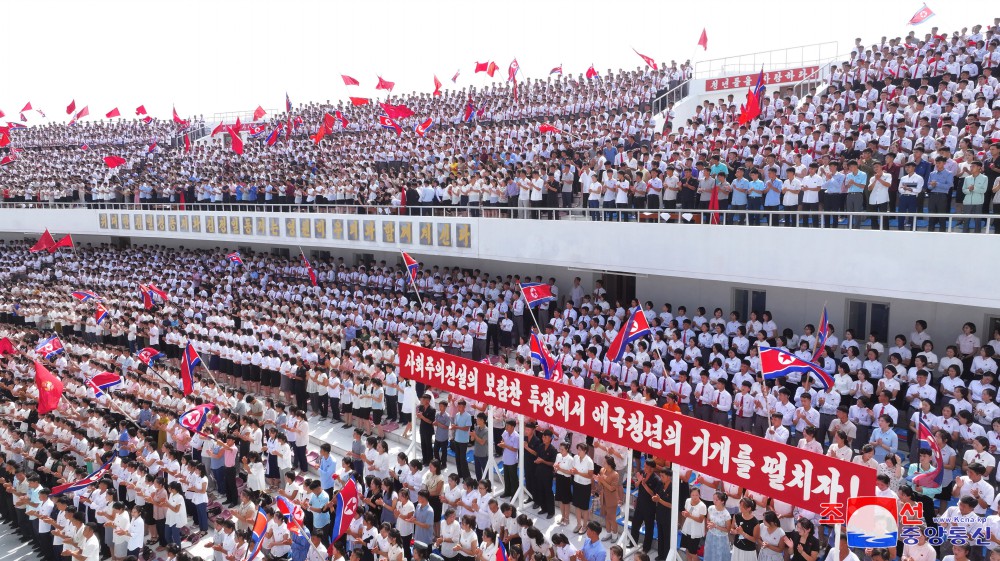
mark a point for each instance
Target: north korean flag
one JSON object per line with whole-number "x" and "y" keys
{"x": 149, "y": 356}
{"x": 347, "y": 509}
{"x": 91, "y": 479}
{"x": 235, "y": 257}
{"x": 922, "y": 15}
{"x": 100, "y": 313}
{"x": 538, "y": 352}
{"x": 293, "y": 514}
{"x": 310, "y": 270}
{"x": 84, "y": 295}
{"x": 194, "y": 419}
{"x": 412, "y": 266}
{"x": 536, "y": 293}
{"x": 103, "y": 382}
{"x": 257, "y": 533}
{"x": 775, "y": 363}
{"x": 189, "y": 362}
{"x": 50, "y": 347}
{"x": 636, "y": 327}
{"x": 934, "y": 478}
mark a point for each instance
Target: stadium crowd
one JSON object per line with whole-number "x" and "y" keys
{"x": 928, "y": 102}
{"x": 286, "y": 356}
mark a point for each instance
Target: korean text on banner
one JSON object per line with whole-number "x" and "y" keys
{"x": 783, "y": 472}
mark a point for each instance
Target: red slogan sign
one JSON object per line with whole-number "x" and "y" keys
{"x": 789, "y": 76}
{"x": 783, "y": 472}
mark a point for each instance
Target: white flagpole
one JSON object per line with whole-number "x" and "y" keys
{"x": 625, "y": 540}
{"x": 675, "y": 509}
{"x": 491, "y": 461}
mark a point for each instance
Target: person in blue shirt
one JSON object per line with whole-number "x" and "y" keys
{"x": 755, "y": 196}
{"x": 741, "y": 189}
{"x": 327, "y": 468}
{"x": 939, "y": 184}
{"x": 884, "y": 439}
{"x": 592, "y": 548}
{"x": 772, "y": 196}
{"x": 318, "y": 501}
{"x": 855, "y": 181}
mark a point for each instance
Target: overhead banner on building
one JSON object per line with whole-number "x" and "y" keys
{"x": 783, "y": 472}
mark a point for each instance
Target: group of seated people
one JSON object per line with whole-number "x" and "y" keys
{"x": 283, "y": 356}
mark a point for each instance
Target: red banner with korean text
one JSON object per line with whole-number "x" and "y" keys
{"x": 779, "y": 471}
{"x": 787, "y": 76}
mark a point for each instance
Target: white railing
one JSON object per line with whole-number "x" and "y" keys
{"x": 816, "y": 54}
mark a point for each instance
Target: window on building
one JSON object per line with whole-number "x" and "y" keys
{"x": 746, "y": 300}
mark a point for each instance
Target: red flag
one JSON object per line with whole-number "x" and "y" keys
{"x": 454, "y": 78}
{"x": 591, "y": 73}
{"x": 320, "y": 134}
{"x": 84, "y": 147}
{"x": 328, "y": 121}
{"x": 50, "y": 389}
{"x": 480, "y": 67}
{"x": 309, "y": 269}
{"x": 258, "y": 113}
{"x": 218, "y": 128}
{"x": 71, "y": 107}
{"x": 6, "y": 347}
{"x": 66, "y": 241}
{"x": 177, "y": 118}
{"x": 396, "y": 111}
{"x": 649, "y": 60}
{"x": 922, "y": 15}
{"x": 348, "y": 81}
{"x": 187, "y": 143}
{"x": 703, "y": 40}
{"x": 4, "y": 139}
{"x": 492, "y": 69}
{"x": 385, "y": 84}
{"x": 437, "y": 86}
{"x": 7, "y": 159}
{"x": 2, "y": 114}
{"x": 141, "y": 110}
{"x": 83, "y": 112}
{"x": 713, "y": 204}
{"x": 237, "y": 127}
{"x": 27, "y": 107}
{"x": 343, "y": 120}
{"x": 113, "y": 113}
{"x": 114, "y": 161}
{"x": 44, "y": 242}
{"x": 546, "y": 127}
{"x": 359, "y": 101}
{"x": 236, "y": 141}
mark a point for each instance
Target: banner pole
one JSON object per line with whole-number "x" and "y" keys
{"x": 625, "y": 540}
{"x": 491, "y": 461}
{"x": 519, "y": 496}
{"x": 675, "y": 509}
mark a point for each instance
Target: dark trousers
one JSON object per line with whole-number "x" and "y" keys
{"x": 645, "y": 518}
{"x": 426, "y": 446}
{"x": 755, "y": 203}
{"x": 509, "y": 480}
{"x": 907, "y": 203}
{"x": 461, "y": 459}
{"x": 545, "y": 499}
{"x": 480, "y": 465}
{"x": 231, "y": 495}
{"x": 441, "y": 451}
{"x": 664, "y": 535}
{"x": 937, "y": 205}
{"x": 392, "y": 408}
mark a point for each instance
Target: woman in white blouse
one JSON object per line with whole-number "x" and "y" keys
{"x": 839, "y": 448}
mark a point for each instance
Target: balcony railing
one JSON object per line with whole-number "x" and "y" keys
{"x": 895, "y": 221}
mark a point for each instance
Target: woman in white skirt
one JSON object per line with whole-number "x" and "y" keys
{"x": 746, "y": 529}
{"x": 717, "y": 547}
{"x": 772, "y": 546}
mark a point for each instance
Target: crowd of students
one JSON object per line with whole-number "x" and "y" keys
{"x": 289, "y": 357}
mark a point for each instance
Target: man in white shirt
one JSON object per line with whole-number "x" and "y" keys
{"x": 878, "y": 199}
{"x": 910, "y": 186}
{"x": 777, "y": 431}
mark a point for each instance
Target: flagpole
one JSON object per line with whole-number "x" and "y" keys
{"x": 625, "y": 541}
{"x": 413, "y": 282}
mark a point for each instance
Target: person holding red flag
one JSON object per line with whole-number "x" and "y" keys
{"x": 50, "y": 389}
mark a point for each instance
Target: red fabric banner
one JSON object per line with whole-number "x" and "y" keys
{"x": 783, "y": 472}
